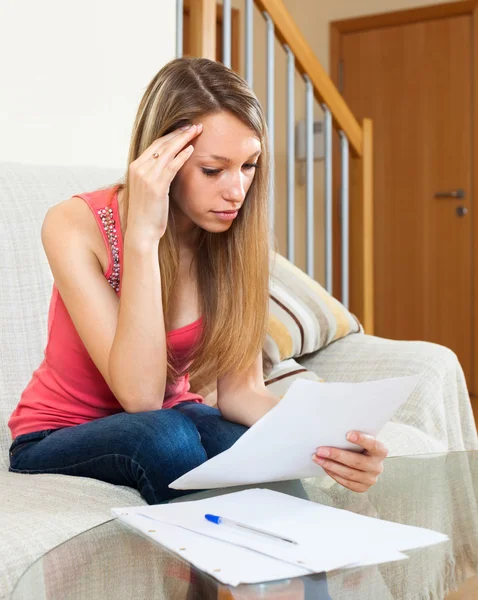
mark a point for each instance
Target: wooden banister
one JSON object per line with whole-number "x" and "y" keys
{"x": 361, "y": 235}
{"x": 202, "y": 27}
{"x": 307, "y": 63}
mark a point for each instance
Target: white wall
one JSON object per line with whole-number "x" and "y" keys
{"x": 72, "y": 75}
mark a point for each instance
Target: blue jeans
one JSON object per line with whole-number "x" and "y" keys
{"x": 145, "y": 451}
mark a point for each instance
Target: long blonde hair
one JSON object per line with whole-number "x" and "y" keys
{"x": 232, "y": 266}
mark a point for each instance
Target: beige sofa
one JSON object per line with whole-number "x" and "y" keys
{"x": 38, "y": 512}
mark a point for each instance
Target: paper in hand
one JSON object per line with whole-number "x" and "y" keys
{"x": 280, "y": 445}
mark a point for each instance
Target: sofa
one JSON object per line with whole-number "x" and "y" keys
{"x": 38, "y": 512}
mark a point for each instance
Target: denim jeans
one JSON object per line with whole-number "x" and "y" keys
{"x": 145, "y": 451}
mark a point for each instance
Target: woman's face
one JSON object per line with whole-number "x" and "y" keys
{"x": 216, "y": 177}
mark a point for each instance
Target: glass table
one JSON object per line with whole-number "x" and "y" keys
{"x": 437, "y": 491}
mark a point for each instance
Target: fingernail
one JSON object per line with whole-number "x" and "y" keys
{"x": 184, "y": 127}
{"x": 352, "y": 437}
{"x": 323, "y": 452}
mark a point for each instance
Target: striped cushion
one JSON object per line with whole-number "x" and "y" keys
{"x": 284, "y": 374}
{"x": 303, "y": 316}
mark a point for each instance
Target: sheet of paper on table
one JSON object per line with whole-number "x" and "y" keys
{"x": 327, "y": 538}
{"x": 280, "y": 445}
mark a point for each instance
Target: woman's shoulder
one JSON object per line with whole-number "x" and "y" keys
{"x": 74, "y": 216}
{"x": 79, "y": 208}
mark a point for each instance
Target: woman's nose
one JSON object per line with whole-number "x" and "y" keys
{"x": 235, "y": 191}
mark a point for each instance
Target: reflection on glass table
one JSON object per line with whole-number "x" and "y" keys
{"x": 438, "y": 491}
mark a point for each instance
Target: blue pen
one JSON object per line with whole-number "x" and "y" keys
{"x": 223, "y": 521}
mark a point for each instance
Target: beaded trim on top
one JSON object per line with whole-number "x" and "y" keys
{"x": 109, "y": 225}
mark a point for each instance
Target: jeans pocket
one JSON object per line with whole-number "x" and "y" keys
{"x": 20, "y": 446}
{"x": 28, "y": 438}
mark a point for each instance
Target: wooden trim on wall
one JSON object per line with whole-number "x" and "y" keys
{"x": 361, "y": 232}
{"x": 473, "y": 385}
{"x": 402, "y": 17}
{"x": 336, "y": 179}
{"x": 367, "y": 227}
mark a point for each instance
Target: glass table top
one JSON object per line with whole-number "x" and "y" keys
{"x": 436, "y": 491}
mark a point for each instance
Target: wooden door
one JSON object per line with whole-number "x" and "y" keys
{"x": 415, "y": 81}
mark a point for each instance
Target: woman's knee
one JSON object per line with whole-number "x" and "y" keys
{"x": 159, "y": 432}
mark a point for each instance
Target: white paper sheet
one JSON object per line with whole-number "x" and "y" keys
{"x": 280, "y": 445}
{"x": 328, "y": 538}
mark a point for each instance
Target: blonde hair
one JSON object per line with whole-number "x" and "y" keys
{"x": 232, "y": 266}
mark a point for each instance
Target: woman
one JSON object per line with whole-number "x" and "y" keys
{"x": 160, "y": 293}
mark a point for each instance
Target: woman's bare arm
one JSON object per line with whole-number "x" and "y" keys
{"x": 124, "y": 338}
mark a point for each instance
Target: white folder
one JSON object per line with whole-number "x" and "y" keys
{"x": 327, "y": 538}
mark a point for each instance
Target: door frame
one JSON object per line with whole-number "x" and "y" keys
{"x": 339, "y": 28}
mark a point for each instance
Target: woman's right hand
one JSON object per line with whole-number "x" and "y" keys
{"x": 150, "y": 179}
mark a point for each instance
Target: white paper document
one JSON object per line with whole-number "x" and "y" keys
{"x": 280, "y": 445}
{"x": 327, "y": 538}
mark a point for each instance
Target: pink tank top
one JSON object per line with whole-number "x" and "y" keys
{"x": 67, "y": 389}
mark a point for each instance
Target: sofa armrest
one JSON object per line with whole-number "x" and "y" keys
{"x": 437, "y": 417}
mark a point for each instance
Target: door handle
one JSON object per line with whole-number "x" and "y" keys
{"x": 458, "y": 194}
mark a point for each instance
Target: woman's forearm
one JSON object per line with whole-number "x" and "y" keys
{"x": 247, "y": 406}
{"x": 137, "y": 363}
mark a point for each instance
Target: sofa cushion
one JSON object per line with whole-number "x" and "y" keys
{"x": 38, "y": 512}
{"x": 26, "y": 193}
{"x": 437, "y": 417}
{"x": 303, "y": 316}
{"x": 284, "y": 374}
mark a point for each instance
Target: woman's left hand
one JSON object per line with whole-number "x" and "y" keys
{"x": 354, "y": 470}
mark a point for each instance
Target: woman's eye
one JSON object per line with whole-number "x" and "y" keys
{"x": 212, "y": 172}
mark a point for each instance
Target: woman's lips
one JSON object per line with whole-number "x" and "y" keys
{"x": 226, "y": 216}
